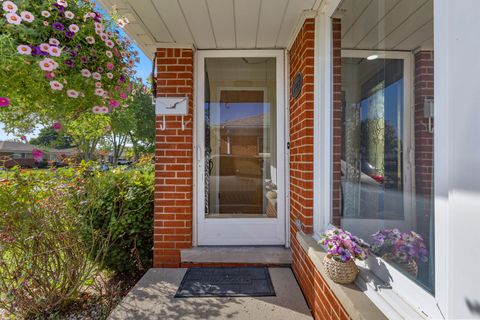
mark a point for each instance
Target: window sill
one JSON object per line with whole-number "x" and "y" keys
{"x": 356, "y": 303}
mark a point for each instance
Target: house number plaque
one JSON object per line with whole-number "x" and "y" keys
{"x": 297, "y": 85}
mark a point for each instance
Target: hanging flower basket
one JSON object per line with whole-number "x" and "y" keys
{"x": 340, "y": 272}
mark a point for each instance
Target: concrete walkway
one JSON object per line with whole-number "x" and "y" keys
{"x": 152, "y": 298}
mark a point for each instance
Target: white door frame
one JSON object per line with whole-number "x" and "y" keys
{"x": 239, "y": 231}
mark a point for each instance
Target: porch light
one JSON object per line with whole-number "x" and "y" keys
{"x": 372, "y": 57}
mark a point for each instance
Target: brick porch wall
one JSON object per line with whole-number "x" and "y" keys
{"x": 301, "y": 129}
{"x": 173, "y": 161}
{"x": 423, "y": 139}
{"x": 320, "y": 298}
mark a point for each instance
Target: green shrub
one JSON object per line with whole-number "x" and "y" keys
{"x": 44, "y": 263}
{"x": 123, "y": 203}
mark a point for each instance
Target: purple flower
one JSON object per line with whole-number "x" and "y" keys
{"x": 69, "y": 63}
{"x": 70, "y": 34}
{"x": 73, "y": 53}
{"x": 121, "y": 79}
{"x": 100, "y": 69}
{"x": 58, "y": 26}
{"x": 84, "y": 59}
{"x": 59, "y": 7}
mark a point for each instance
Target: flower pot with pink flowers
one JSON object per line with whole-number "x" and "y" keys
{"x": 404, "y": 249}
{"x": 342, "y": 250}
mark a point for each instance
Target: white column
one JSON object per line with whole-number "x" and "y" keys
{"x": 457, "y": 157}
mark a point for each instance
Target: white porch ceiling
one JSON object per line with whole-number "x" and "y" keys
{"x": 211, "y": 24}
{"x": 387, "y": 24}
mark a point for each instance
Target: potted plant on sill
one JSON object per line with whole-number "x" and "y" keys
{"x": 342, "y": 250}
{"x": 404, "y": 249}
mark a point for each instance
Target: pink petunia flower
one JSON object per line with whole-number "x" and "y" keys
{"x": 114, "y": 103}
{"x": 37, "y": 155}
{"x": 45, "y": 14}
{"x": 27, "y": 16}
{"x": 23, "y": 49}
{"x": 109, "y": 75}
{"x": 98, "y": 84}
{"x": 72, "y": 93}
{"x": 57, "y": 126}
{"x": 110, "y": 66}
{"x": 73, "y": 28}
{"x": 55, "y": 51}
{"x": 98, "y": 26}
{"x": 55, "y": 85}
{"x": 104, "y": 36}
{"x": 69, "y": 15}
{"x": 96, "y": 109}
{"x": 53, "y": 62}
{"x": 46, "y": 65}
{"x": 63, "y": 3}
{"x": 54, "y": 41}
{"x": 109, "y": 53}
{"x": 13, "y": 18}
{"x": 23, "y": 138}
{"x": 9, "y": 6}
{"x": 99, "y": 92}
{"x": 104, "y": 110}
{"x": 49, "y": 75}
{"x": 44, "y": 47}
{"x": 4, "y": 102}
{"x": 45, "y": 23}
{"x": 123, "y": 95}
{"x": 96, "y": 76}
{"x": 90, "y": 40}
{"x": 109, "y": 43}
{"x": 86, "y": 73}
{"x": 121, "y": 23}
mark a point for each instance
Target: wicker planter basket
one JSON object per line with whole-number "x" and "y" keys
{"x": 410, "y": 267}
{"x": 340, "y": 272}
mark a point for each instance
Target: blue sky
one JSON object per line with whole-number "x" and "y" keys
{"x": 144, "y": 70}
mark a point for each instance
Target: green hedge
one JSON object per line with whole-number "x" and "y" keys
{"x": 123, "y": 204}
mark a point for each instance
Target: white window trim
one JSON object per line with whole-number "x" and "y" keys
{"x": 402, "y": 298}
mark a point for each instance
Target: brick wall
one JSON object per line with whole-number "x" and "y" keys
{"x": 320, "y": 299}
{"x": 319, "y": 296}
{"x": 301, "y": 129}
{"x": 337, "y": 113}
{"x": 173, "y": 161}
{"x": 423, "y": 139}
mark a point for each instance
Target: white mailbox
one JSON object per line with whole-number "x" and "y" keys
{"x": 171, "y": 106}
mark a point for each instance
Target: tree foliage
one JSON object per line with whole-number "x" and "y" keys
{"x": 49, "y": 137}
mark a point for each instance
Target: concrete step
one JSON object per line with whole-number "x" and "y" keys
{"x": 262, "y": 255}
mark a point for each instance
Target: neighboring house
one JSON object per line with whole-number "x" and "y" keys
{"x": 20, "y": 153}
{"x": 373, "y": 116}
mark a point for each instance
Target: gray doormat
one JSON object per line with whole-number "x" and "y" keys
{"x": 226, "y": 282}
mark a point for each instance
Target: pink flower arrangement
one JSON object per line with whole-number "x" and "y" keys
{"x": 27, "y": 16}
{"x": 55, "y": 85}
{"x": 343, "y": 246}
{"x": 23, "y": 49}
{"x": 13, "y": 18}
{"x": 9, "y": 6}
{"x": 403, "y": 247}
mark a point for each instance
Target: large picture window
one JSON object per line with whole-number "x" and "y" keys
{"x": 382, "y": 133}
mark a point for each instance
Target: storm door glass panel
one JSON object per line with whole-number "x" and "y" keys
{"x": 240, "y": 137}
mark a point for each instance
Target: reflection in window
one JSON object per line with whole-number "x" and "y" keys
{"x": 378, "y": 201}
{"x": 240, "y": 139}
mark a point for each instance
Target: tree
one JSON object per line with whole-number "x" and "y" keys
{"x": 143, "y": 133}
{"x": 60, "y": 59}
{"x": 49, "y": 137}
{"x": 87, "y": 131}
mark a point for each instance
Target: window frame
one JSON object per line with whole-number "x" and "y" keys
{"x": 402, "y": 297}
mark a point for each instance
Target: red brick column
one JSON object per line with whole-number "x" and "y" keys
{"x": 301, "y": 130}
{"x": 337, "y": 114}
{"x": 173, "y": 161}
{"x": 423, "y": 138}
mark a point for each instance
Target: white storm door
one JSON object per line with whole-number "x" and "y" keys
{"x": 240, "y": 148}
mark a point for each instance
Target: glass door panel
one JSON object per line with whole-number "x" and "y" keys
{"x": 240, "y": 138}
